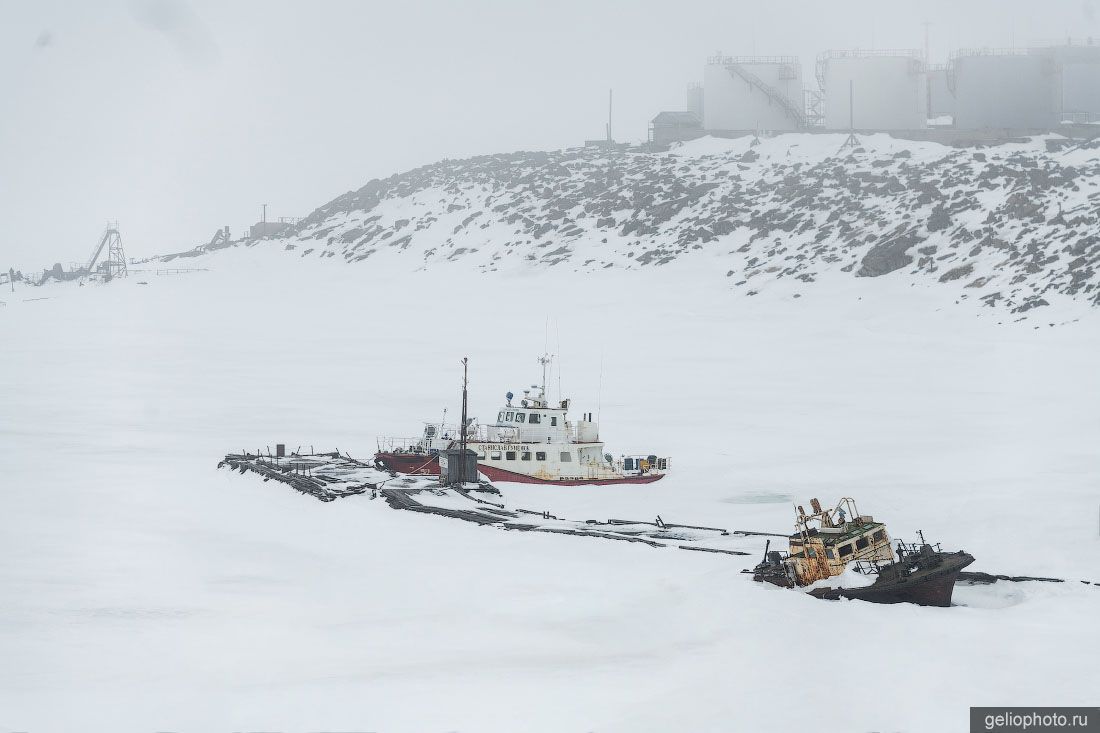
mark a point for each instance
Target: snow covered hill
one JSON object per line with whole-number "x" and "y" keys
{"x": 1012, "y": 225}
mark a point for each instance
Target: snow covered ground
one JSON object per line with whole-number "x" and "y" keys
{"x": 144, "y": 590}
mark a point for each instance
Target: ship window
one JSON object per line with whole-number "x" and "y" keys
{"x": 500, "y": 416}
{"x": 481, "y": 456}
{"x": 830, "y": 554}
{"x": 534, "y": 417}
{"x": 540, "y": 456}
{"x": 495, "y": 456}
{"x": 510, "y": 455}
{"x": 508, "y": 417}
{"x": 519, "y": 417}
{"x": 566, "y": 457}
{"x": 554, "y": 422}
{"x": 845, "y": 550}
{"x": 811, "y": 552}
{"x": 862, "y": 543}
{"x": 880, "y": 536}
{"x": 525, "y": 456}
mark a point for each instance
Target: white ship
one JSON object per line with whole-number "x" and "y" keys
{"x": 532, "y": 442}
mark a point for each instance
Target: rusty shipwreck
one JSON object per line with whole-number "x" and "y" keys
{"x": 840, "y": 553}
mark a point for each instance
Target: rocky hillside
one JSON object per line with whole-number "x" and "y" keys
{"x": 1015, "y": 225}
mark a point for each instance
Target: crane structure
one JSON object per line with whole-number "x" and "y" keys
{"x": 218, "y": 241}
{"x": 108, "y": 259}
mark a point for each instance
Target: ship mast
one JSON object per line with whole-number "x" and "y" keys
{"x": 462, "y": 429}
{"x": 545, "y": 360}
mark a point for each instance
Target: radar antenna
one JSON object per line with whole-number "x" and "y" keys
{"x": 545, "y": 360}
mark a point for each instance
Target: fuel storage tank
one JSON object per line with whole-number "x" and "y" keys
{"x": 753, "y": 93}
{"x": 1079, "y": 63}
{"x": 1009, "y": 88}
{"x": 695, "y": 100}
{"x": 873, "y": 90}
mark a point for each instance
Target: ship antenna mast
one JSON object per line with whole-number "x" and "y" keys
{"x": 545, "y": 360}
{"x": 462, "y": 429}
{"x": 599, "y": 398}
{"x": 557, "y": 328}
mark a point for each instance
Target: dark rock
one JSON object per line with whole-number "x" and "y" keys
{"x": 887, "y": 256}
{"x": 956, "y": 273}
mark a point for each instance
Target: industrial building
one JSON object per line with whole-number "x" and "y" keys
{"x": 979, "y": 94}
{"x": 669, "y": 127}
{"x": 262, "y": 229}
{"x": 1005, "y": 88}
{"x": 1079, "y": 94}
{"x": 873, "y": 90}
{"x": 753, "y": 93}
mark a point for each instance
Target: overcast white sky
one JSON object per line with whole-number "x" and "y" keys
{"x": 178, "y": 117}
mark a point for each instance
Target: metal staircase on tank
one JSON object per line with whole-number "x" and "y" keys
{"x": 774, "y": 95}
{"x": 814, "y": 103}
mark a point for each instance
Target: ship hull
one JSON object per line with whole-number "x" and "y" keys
{"x": 924, "y": 587}
{"x": 420, "y": 464}
{"x": 415, "y": 463}
{"x": 499, "y": 474}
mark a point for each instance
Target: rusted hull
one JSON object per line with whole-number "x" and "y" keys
{"x": 925, "y": 587}
{"x": 416, "y": 463}
{"x": 500, "y": 474}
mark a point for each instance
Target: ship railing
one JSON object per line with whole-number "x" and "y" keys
{"x": 914, "y": 548}
{"x": 396, "y": 444}
{"x": 1081, "y": 118}
{"x": 867, "y": 566}
{"x": 719, "y": 59}
{"x": 439, "y": 429}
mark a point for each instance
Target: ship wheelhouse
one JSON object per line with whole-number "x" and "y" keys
{"x": 842, "y": 536}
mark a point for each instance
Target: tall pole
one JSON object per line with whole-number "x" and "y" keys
{"x": 263, "y": 222}
{"x": 851, "y": 108}
{"x": 462, "y": 428}
{"x": 927, "y": 76}
{"x": 609, "y": 94}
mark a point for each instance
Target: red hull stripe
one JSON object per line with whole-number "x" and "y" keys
{"x": 499, "y": 474}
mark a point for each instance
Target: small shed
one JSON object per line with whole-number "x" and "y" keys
{"x": 451, "y": 466}
{"x": 670, "y": 127}
{"x": 262, "y": 229}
